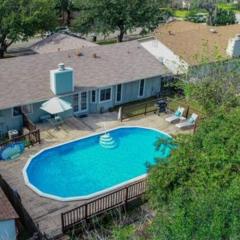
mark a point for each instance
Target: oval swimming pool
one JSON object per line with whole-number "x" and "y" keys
{"x": 83, "y": 168}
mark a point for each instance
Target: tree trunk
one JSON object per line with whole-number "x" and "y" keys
{"x": 121, "y": 34}
{"x": 68, "y": 18}
{"x": 3, "y": 49}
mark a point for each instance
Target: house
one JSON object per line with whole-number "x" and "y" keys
{"x": 180, "y": 44}
{"x": 8, "y": 218}
{"x": 60, "y": 42}
{"x": 55, "y": 42}
{"x": 93, "y": 80}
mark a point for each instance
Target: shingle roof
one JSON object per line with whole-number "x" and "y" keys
{"x": 60, "y": 42}
{"x": 7, "y": 212}
{"x": 25, "y": 79}
{"x": 191, "y": 40}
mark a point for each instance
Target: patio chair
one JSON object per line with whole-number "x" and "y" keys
{"x": 56, "y": 121}
{"x": 189, "y": 123}
{"x": 177, "y": 116}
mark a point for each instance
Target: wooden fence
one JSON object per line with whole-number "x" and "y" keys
{"x": 120, "y": 197}
{"x": 29, "y": 139}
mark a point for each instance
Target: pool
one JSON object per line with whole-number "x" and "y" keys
{"x": 82, "y": 168}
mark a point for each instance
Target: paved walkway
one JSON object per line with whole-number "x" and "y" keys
{"x": 46, "y": 212}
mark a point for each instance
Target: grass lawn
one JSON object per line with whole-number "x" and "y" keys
{"x": 229, "y": 6}
{"x": 139, "y": 108}
{"x": 181, "y": 13}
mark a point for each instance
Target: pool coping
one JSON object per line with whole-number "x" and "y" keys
{"x": 85, "y": 197}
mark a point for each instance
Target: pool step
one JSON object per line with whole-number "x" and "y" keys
{"x": 107, "y": 141}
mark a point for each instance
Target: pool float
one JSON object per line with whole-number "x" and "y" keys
{"x": 12, "y": 151}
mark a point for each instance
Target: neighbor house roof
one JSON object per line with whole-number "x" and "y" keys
{"x": 60, "y": 42}
{"x": 193, "y": 41}
{"x": 7, "y": 211}
{"x": 27, "y": 79}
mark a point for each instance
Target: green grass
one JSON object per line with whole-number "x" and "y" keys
{"x": 180, "y": 13}
{"x": 138, "y": 108}
{"x": 229, "y": 6}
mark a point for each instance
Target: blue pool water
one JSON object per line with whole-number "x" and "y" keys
{"x": 83, "y": 167}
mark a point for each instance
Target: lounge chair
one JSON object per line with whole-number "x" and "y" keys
{"x": 177, "y": 116}
{"x": 189, "y": 123}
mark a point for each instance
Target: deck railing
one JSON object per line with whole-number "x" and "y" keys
{"x": 28, "y": 123}
{"x": 120, "y": 197}
{"x": 29, "y": 139}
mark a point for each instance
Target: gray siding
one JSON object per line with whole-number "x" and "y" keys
{"x": 8, "y": 121}
{"x": 130, "y": 93}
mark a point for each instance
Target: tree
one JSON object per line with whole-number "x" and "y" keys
{"x": 65, "y": 7}
{"x": 224, "y": 17}
{"x": 209, "y": 5}
{"x": 104, "y": 16}
{"x": 196, "y": 193}
{"x": 21, "y": 19}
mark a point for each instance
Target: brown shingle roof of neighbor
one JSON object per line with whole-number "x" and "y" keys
{"x": 7, "y": 211}
{"x": 60, "y": 42}
{"x": 193, "y": 42}
{"x": 26, "y": 79}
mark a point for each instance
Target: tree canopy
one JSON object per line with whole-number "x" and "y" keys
{"x": 105, "y": 16}
{"x": 196, "y": 193}
{"x": 21, "y": 19}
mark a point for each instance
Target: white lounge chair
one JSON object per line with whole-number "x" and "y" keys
{"x": 177, "y": 116}
{"x": 189, "y": 123}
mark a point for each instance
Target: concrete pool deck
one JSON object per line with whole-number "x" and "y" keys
{"x": 46, "y": 212}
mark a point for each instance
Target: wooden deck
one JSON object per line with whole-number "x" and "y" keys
{"x": 46, "y": 213}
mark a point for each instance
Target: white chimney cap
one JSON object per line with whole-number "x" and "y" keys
{"x": 61, "y": 66}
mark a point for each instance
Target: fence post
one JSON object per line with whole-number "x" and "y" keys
{"x": 63, "y": 225}
{"x": 86, "y": 213}
{"x": 187, "y": 112}
{"x": 126, "y": 198}
{"x": 145, "y": 111}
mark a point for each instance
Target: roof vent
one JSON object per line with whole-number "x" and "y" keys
{"x": 233, "y": 48}
{"x": 61, "y": 67}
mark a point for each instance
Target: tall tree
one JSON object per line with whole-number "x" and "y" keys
{"x": 65, "y": 7}
{"x": 104, "y": 16}
{"x": 21, "y": 19}
{"x": 196, "y": 192}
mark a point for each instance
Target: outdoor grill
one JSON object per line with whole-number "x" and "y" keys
{"x": 161, "y": 105}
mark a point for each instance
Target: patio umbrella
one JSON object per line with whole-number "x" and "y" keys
{"x": 56, "y": 105}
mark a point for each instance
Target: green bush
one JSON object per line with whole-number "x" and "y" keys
{"x": 196, "y": 194}
{"x": 224, "y": 17}
{"x": 196, "y": 16}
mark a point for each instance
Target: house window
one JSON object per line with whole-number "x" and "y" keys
{"x": 75, "y": 103}
{"x": 141, "y": 88}
{"x": 93, "y": 96}
{"x": 119, "y": 93}
{"x": 16, "y": 111}
{"x": 105, "y": 94}
{"x": 27, "y": 109}
{"x": 83, "y": 101}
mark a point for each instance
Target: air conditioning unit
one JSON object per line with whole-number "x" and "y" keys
{"x": 12, "y": 134}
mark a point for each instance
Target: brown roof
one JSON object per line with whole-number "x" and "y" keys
{"x": 193, "y": 41}
{"x": 25, "y": 79}
{"x": 60, "y": 42}
{"x": 6, "y": 209}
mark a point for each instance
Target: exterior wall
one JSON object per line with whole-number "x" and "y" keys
{"x": 8, "y": 230}
{"x": 37, "y": 112}
{"x": 130, "y": 92}
{"x": 8, "y": 121}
